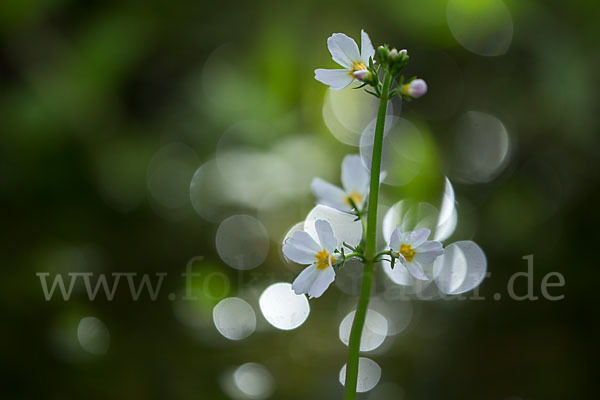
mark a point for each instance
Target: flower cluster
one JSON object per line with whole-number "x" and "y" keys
{"x": 323, "y": 253}
{"x": 360, "y": 65}
{"x": 414, "y": 252}
{"x": 344, "y": 225}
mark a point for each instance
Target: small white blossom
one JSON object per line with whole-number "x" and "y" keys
{"x": 319, "y": 257}
{"x": 355, "y": 182}
{"x": 413, "y": 250}
{"x": 344, "y": 51}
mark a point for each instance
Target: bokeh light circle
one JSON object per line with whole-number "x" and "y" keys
{"x": 461, "y": 268}
{"x": 448, "y": 216}
{"x": 484, "y": 27}
{"x": 482, "y": 148}
{"x": 282, "y": 308}
{"x": 242, "y": 242}
{"x": 249, "y": 381}
{"x": 93, "y": 336}
{"x": 347, "y": 113}
{"x": 242, "y": 168}
{"x": 344, "y": 225}
{"x": 254, "y": 380}
{"x": 208, "y": 193}
{"x": 374, "y": 332}
{"x": 234, "y": 318}
{"x": 369, "y": 374}
{"x": 398, "y": 313}
{"x": 408, "y": 216}
{"x": 403, "y": 153}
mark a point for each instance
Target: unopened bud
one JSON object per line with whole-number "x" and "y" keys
{"x": 393, "y": 53}
{"x": 415, "y": 89}
{"x": 363, "y": 75}
{"x": 383, "y": 53}
{"x": 403, "y": 51}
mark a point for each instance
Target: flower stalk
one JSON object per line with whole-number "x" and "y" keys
{"x": 370, "y": 243}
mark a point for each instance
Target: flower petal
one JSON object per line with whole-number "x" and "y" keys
{"x": 355, "y": 177}
{"x": 416, "y": 238}
{"x": 301, "y": 248}
{"x": 329, "y": 195}
{"x": 305, "y": 279}
{"x": 313, "y": 281}
{"x": 324, "y": 278}
{"x": 343, "y": 49}
{"x": 416, "y": 270}
{"x": 337, "y": 79}
{"x": 398, "y": 275}
{"x": 366, "y": 47}
{"x": 345, "y": 226}
{"x": 395, "y": 240}
{"x": 428, "y": 252}
{"x": 325, "y": 233}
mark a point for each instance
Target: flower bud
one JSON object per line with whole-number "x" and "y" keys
{"x": 383, "y": 53}
{"x": 415, "y": 89}
{"x": 403, "y": 51}
{"x": 393, "y": 53}
{"x": 363, "y": 75}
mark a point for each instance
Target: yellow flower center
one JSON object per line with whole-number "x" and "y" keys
{"x": 354, "y": 197}
{"x": 323, "y": 259}
{"x": 407, "y": 251}
{"x": 404, "y": 89}
{"x": 357, "y": 66}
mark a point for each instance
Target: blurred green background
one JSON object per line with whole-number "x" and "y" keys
{"x": 108, "y": 108}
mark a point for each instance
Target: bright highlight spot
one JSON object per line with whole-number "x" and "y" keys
{"x": 282, "y": 308}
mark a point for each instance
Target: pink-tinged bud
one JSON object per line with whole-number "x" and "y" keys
{"x": 393, "y": 53}
{"x": 415, "y": 89}
{"x": 363, "y": 75}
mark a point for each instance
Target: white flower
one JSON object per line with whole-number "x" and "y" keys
{"x": 303, "y": 249}
{"x": 355, "y": 180}
{"x": 415, "y": 88}
{"x": 413, "y": 249}
{"x": 344, "y": 51}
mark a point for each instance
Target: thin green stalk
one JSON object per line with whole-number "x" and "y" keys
{"x": 367, "y": 280}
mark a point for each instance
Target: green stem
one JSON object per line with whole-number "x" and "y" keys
{"x": 349, "y": 255}
{"x": 367, "y": 280}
